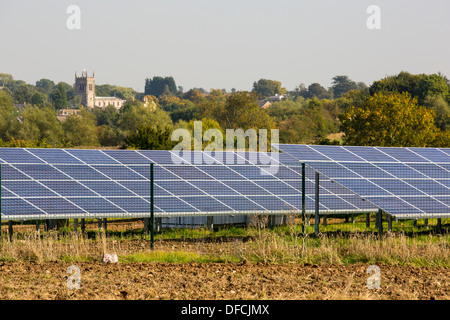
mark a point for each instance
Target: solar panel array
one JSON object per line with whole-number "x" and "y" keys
{"x": 403, "y": 182}
{"x": 69, "y": 183}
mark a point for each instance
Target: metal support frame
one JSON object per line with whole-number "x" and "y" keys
{"x": 367, "y": 220}
{"x": 316, "y": 211}
{"x": 438, "y": 225}
{"x": 152, "y": 208}
{"x": 83, "y": 226}
{"x": 303, "y": 198}
{"x": 389, "y": 220}
{"x": 380, "y": 221}
{"x": 10, "y": 230}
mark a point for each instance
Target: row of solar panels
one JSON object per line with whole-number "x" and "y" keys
{"x": 404, "y": 182}
{"x": 61, "y": 183}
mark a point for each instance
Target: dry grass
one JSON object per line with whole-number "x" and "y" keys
{"x": 267, "y": 246}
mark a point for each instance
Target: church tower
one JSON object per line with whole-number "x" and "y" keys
{"x": 85, "y": 87}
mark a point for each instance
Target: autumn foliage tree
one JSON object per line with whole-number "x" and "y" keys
{"x": 391, "y": 120}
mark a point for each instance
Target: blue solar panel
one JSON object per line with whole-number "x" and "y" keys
{"x": 370, "y": 154}
{"x": 17, "y": 155}
{"x": 127, "y": 156}
{"x": 402, "y": 154}
{"x": 54, "y": 156}
{"x": 74, "y": 182}
{"x": 433, "y": 155}
{"x": 91, "y": 156}
{"x": 404, "y": 182}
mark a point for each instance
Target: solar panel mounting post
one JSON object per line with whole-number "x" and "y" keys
{"x": 316, "y": 209}
{"x": 380, "y": 221}
{"x": 152, "y": 208}
{"x": 303, "y": 198}
{"x": 389, "y": 219}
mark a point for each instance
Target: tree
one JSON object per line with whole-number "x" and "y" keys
{"x": 45, "y": 86}
{"x": 441, "y": 109}
{"x": 80, "y": 130}
{"x": 59, "y": 97}
{"x": 139, "y": 116}
{"x": 194, "y": 95}
{"x": 40, "y": 124}
{"x": 9, "y": 125}
{"x": 38, "y": 99}
{"x": 156, "y": 86}
{"x": 106, "y": 116}
{"x": 149, "y": 138}
{"x": 241, "y": 111}
{"x": 316, "y": 90}
{"x": 432, "y": 85}
{"x": 266, "y": 88}
{"x": 393, "y": 120}
{"x": 419, "y": 86}
{"x": 23, "y": 93}
{"x": 341, "y": 85}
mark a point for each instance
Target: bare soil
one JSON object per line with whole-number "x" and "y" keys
{"x": 217, "y": 281}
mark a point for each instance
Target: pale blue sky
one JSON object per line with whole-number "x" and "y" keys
{"x": 223, "y": 44}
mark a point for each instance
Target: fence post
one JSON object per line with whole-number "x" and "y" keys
{"x": 152, "y": 209}
{"x": 316, "y": 210}
{"x": 380, "y": 221}
{"x": 10, "y": 229}
{"x": 389, "y": 219}
{"x": 303, "y": 198}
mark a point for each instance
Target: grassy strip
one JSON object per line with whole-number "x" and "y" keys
{"x": 284, "y": 244}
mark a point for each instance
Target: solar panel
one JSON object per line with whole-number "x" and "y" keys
{"x": 69, "y": 183}
{"x": 404, "y": 182}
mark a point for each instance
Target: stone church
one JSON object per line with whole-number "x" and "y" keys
{"x": 85, "y": 87}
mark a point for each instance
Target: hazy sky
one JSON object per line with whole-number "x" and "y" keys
{"x": 223, "y": 44}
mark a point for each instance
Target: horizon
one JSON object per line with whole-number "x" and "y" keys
{"x": 223, "y": 45}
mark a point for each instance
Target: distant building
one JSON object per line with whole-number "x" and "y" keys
{"x": 64, "y": 113}
{"x": 102, "y": 102}
{"x": 264, "y": 104}
{"x": 268, "y": 101}
{"x": 85, "y": 87}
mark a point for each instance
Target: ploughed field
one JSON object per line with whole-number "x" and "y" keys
{"x": 27, "y": 280}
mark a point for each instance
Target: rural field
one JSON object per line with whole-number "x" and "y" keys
{"x": 251, "y": 263}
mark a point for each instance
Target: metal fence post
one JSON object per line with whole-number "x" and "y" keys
{"x": 316, "y": 210}
{"x": 303, "y": 198}
{"x": 380, "y": 221}
{"x": 152, "y": 209}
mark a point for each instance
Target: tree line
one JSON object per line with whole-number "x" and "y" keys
{"x": 398, "y": 110}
